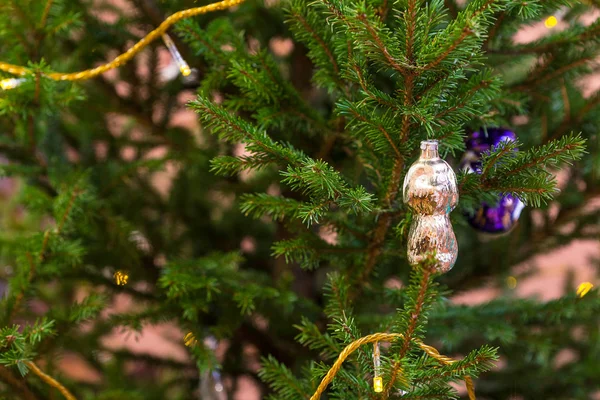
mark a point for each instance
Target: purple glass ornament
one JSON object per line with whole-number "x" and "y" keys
{"x": 503, "y": 216}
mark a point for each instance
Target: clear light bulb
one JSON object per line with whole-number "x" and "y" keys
{"x": 11, "y": 83}
{"x": 183, "y": 66}
{"x": 377, "y": 379}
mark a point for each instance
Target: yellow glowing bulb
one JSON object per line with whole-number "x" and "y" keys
{"x": 378, "y": 384}
{"x": 511, "y": 282}
{"x": 121, "y": 278}
{"x": 550, "y": 22}
{"x": 11, "y": 83}
{"x": 189, "y": 339}
{"x": 185, "y": 70}
{"x": 584, "y": 288}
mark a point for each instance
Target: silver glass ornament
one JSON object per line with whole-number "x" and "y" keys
{"x": 430, "y": 190}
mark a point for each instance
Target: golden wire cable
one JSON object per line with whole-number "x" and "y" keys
{"x": 50, "y": 380}
{"x": 130, "y": 53}
{"x": 384, "y": 337}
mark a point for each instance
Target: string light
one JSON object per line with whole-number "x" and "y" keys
{"x": 11, "y": 83}
{"x": 189, "y": 339}
{"x": 584, "y": 288}
{"x": 130, "y": 53}
{"x": 385, "y": 337}
{"x": 183, "y": 66}
{"x": 121, "y": 278}
{"x": 551, "y": 22}
{"x": 377, "y": 379}
{"x": 511, "y": 282}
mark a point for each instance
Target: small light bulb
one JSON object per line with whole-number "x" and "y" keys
{"x": 189, "y": 339}
{"x": 511, "y": 282}
{"x": 183, "y": 66}
{"x": 377, "y": 380}
{"x": 121, "y": 278}
{"x": 584, "y": 288}
{"x": 551, "y": 22}
{"x": 10, "y": 83}
{"x": 378, "y": 384}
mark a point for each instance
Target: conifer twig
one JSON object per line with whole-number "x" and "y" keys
{"x": 383, "y": 224}
{"x": 465, "y": 33}
{"x": 32, "y": 266}
{"x": 408, "y": 335}
{"x": 566, "y": 125}
{"x": 451, "y": 6}
{"x": 50, "y": 380}
{"x": 384, "y": 337}
{"x": 45, "y": 13}
{"x": 381, "y": 46}
{"x": 552, "y": 75}
{"x": 492, "y": 33}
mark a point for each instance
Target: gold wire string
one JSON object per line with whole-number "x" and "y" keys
{"x": 135, "y": 49}
{"x": 50, "y": 380}
{"x": 384, "y": 337}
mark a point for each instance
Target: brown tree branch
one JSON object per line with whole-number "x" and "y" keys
{"x": 19, "y": 385}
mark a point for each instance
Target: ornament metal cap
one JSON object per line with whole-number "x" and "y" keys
{"x": 429, "y": 149}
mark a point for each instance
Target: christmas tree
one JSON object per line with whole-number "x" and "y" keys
{"x": 273, "y": 234}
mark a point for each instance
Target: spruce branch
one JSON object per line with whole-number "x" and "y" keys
{"x": 376, "y": 95}
{"x": 381, "y": 48}
{"x": 311, "y": 336}
{"x": 468, "y": 23}
{"x": 524, "y": 173}
{"x": 232, "y": 128}
{"x": 567, "y": 124}
{"x": 496, "y": 154}
{"x": 555, "y": 43}
{"x": 282, "y": 380}
{"x": 413, "y": 319}
{"x": 44, "y": 18}
{"x": 377, "y": 238}
{"x": 465, "y": 33}
{"x": 319, "y": 40}
{"x": 358, "y": 116}
{"x": 410, "y": 17}
{"x": 452, "y": 7}
{"x": 553, "y": 75}
{"x": 13, "y": 307}
{"x": 564, "y": 150}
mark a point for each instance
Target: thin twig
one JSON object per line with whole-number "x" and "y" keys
{"x": 45, "y": 14}
{"x": 408, "y": 335}
{"x": 17, "y": 384}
